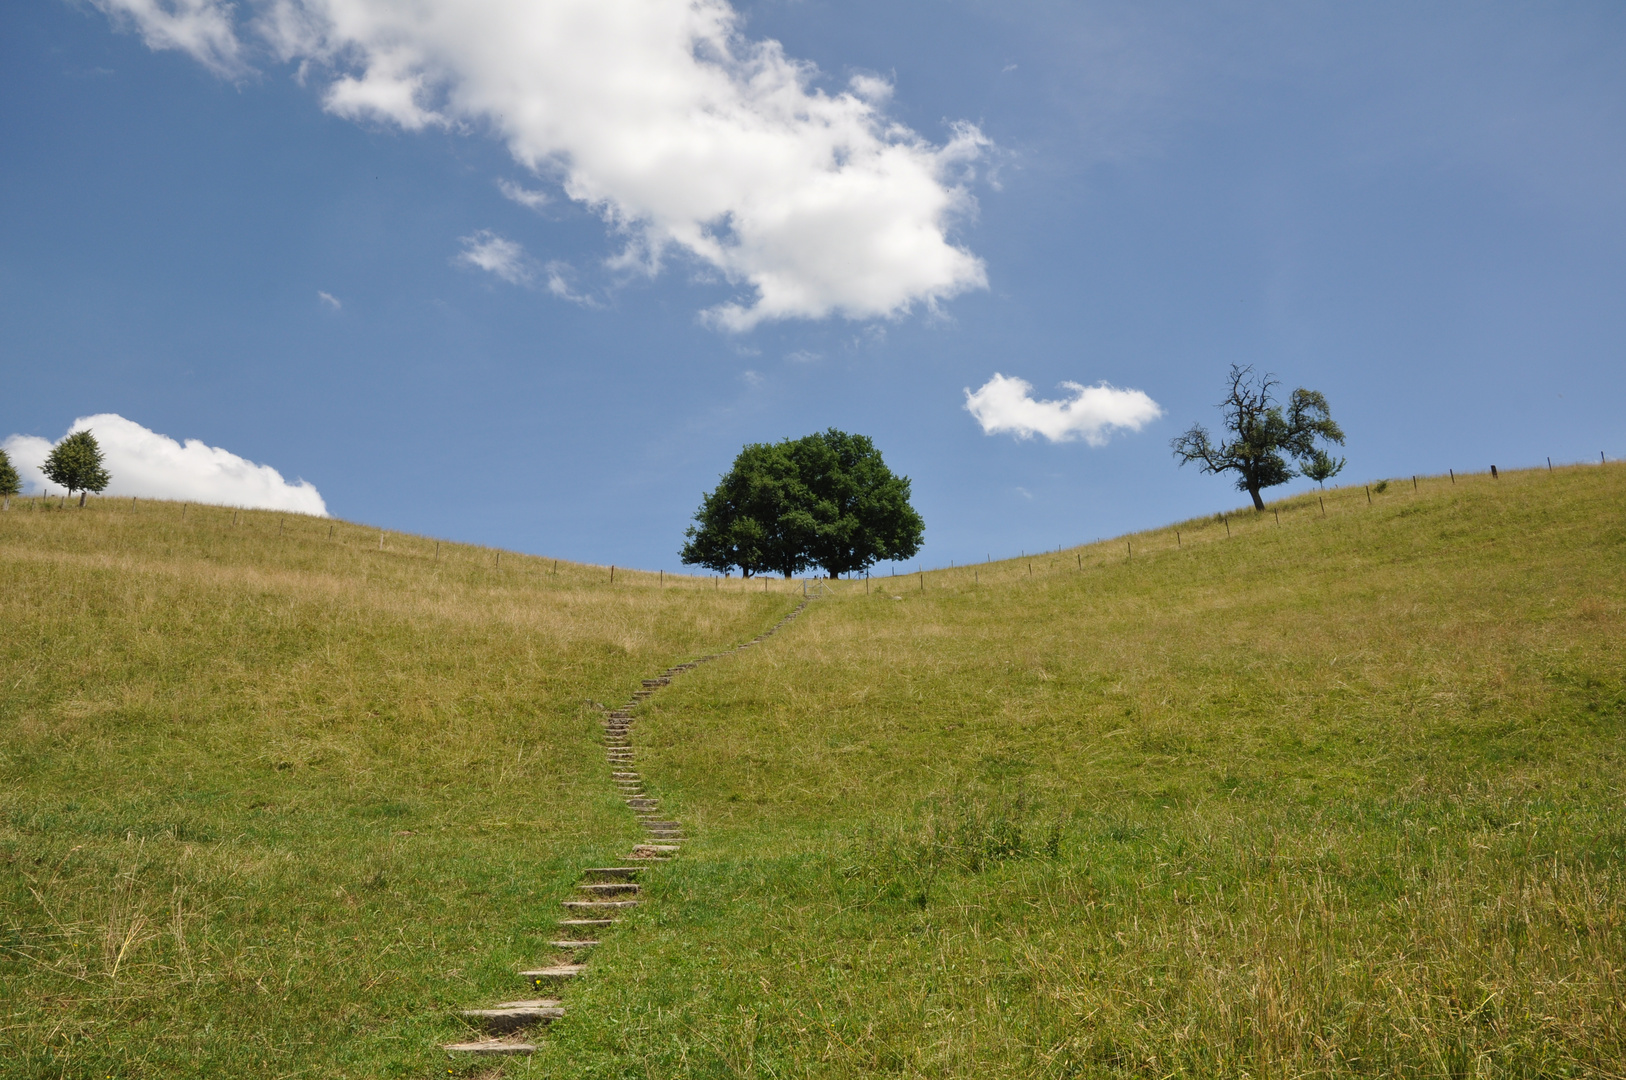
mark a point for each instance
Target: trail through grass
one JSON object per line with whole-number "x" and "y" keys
{"x": 275, "y": 802}
{"x": 1336, "y": 796}
{"x": 1335, "y": 790}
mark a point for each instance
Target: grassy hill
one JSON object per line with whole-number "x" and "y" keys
{"x": 1330, "y": 791}
{"x": 275, "y": 802}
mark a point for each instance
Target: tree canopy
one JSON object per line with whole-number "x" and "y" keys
{"x": 1263, "y": 437}
{"x": 76, "y": 464}
{"x": 825, "y": 500}
{"x": 10, "y": 482}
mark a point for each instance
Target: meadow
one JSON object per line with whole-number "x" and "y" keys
{"x": 278, "y": 795}
{"x": 1334, "y": 790}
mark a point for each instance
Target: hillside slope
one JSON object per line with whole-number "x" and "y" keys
{"x": 277, "y": 795}
{"x": 1334, "y": 792}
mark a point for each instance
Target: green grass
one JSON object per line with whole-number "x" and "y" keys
{"x": 1339, "y": 796}
{"x": 276, "y": 804}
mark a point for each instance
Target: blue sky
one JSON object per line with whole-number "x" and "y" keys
{"x": 1419, "y": 210}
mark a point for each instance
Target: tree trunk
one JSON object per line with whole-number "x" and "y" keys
{"x": 1258, "y": 503}
{"x": 82, "y": 495}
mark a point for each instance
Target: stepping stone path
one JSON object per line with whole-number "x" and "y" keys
{"x": 605, "y": 891}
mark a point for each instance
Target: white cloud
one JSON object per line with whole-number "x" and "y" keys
{"x": 872, "y": 88}
{"x": 329, "y": 299}
{"x": 485, "y": 250}
{"x": 146, "y": 464}
{"x": 202, "y": 28}
{"x": 660, "y": 115}
{"x": 559, "y": 286}
{"x": 534, "y": 200}
{"x": 802, "y": 356}
{"x": 1006, "y": 404}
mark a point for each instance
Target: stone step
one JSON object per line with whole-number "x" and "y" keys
{"x": 648, "y": 824}
{"x": 573, "y": 944}
{"x": 624, "y": 776}
{"x": 598, "y": 905}
{"x": 558, "y": 971}
{"x": 640, "y": 803}
{"x": 490, "y": 1046}
{"x": 646, "y": 850}
{"x": 614, "y": 872}
{"x": 656, "y": 682}
{"x": 586, "y": 922}
{"x": 513, "y": 1015}
{"x": 610, "y": 888}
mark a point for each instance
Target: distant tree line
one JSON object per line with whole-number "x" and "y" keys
{"x": 825, "y": 500}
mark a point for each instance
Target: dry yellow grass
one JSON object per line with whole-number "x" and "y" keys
{"x": 275, "y": 802}
{"x": 1335, "y": 797}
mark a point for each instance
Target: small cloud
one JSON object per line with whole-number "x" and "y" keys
{"x": 202, "y": 28}
{"x": 1024, "y": 492}
{"x": 534, "y": 200}
{"x": 871, "y": 88}
{"x": 753, "y": 379}
{"x": 558, "y": 286}
{"x": 148, "y": 465}
{"x": 1006, "y": 404}
{"x": 803, "y": 356}
{"x": 1007, "y": 68}
{"x": 487, "y": 251}
{"x": 329, "y": 299}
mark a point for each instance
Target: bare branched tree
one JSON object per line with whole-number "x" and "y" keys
{"x": 1263, "y": 438}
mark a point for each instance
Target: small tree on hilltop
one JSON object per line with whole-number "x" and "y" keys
{"x": 861, "y": 510}
{"x": 10, "y": 483}
{"x": 1264, "y": 437}
{"x": 756, "y": 519}
{"x": 76, "y": 464}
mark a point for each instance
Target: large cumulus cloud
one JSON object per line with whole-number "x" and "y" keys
{"x": 153, "y": 466}
{"x": 679, "y": 131}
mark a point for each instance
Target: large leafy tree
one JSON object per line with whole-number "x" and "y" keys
{"x": 1262, "y": 437}
{"x": 76, "y": 464}
{"x": 860, "y": 509}
{"x": 824, "y": 500}
{"x": 756, "y": 519}
{"x": 10, "y": 482}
